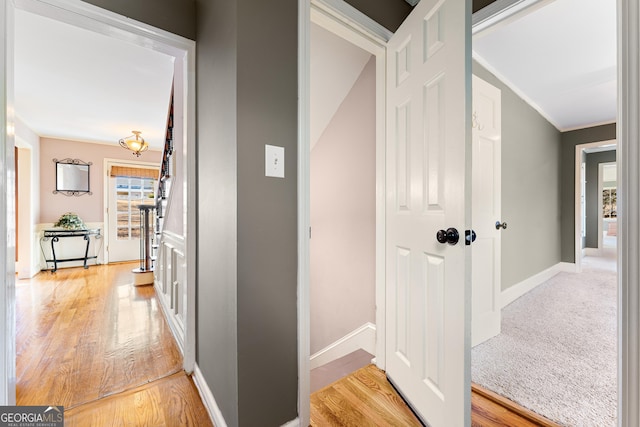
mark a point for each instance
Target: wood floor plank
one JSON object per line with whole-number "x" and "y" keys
{"x": 90, "y": 341}
{"x": 170, "y": 401}
{"x": 365, "y": 397}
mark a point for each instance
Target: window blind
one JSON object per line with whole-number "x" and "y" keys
{"x": 133, "y": 172}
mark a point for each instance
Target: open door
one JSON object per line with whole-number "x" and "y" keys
{"x": 486, "y": 130}
{"x": 427, "y": 294}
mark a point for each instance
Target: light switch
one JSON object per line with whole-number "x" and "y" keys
{"x": 274, "y": 161}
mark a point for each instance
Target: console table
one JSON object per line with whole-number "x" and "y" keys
{"x": 56, "y": 234}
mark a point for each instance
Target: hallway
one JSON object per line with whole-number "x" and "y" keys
{"x": 92, "y": 342}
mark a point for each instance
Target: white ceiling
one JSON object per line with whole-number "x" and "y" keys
{"x": 75, "y": 84}
{"x": 561, "y": 58}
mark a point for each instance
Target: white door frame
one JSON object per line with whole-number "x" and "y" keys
{"x": 578, "y": 221}
{"x": 84, "y": 15}
{"x": 628, "y": 137}
{"x": 108, "y": 162}
{"x": 346, "y": 22}
{"x": 628, "y": 129}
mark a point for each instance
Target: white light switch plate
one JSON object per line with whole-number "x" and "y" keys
{"x": 274, "y": 161}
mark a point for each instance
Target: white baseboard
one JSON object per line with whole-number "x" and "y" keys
{"x": 292, "y": 423}
{"x": 516, "y": 291}
{"x": 592, "y": 252}
{"x": 362, "y": 338}
{"x": 207, "y": 398}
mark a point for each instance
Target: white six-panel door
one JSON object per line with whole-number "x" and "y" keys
{"x": 486, "y": 211}
{"x": 428, "y": 321}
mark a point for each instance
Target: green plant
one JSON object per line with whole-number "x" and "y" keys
{"x": 70, "y": 221}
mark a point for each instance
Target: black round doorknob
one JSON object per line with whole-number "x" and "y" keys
{"x": 450, "y": 235}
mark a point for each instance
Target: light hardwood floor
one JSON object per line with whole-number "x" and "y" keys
{"x": 92, "y": 342}
{"x": 366, "y": 398}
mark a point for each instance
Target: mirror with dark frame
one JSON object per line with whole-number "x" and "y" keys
{"x": 72, "y": 177}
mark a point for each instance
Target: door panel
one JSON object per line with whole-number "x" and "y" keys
{"x": 125, "y": 194}
{"x": 486, "y": 209}
{"x": 427, "y": 319}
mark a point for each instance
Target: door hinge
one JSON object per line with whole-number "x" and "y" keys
{"x": 309, "y": 232}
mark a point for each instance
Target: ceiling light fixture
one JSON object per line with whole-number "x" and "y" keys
{"x": 135, "y": 143}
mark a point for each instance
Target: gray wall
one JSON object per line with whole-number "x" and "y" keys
{"x": 530, "y": 187}
{"x": 175, "y": 16}
{"x": 591, "y": 193}
{"x": 217, "y": 346}
{"x": 267, "y": 108}
{"x": 569, "y": 142}
{"x": 247, "y": 246}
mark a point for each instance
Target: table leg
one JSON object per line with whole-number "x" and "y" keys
{"x": 86, "y": 251}
{"x": 53, "y": 252}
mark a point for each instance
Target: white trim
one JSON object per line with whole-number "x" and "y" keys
{"x": 304, "y": 221}
{"x": 595, "y": 124}
{"x": 363, "y": 338}
{"x": 7, "y": 223}
{"x": 353, "y": 26}
{"x": 501, "y": 12}
{"x": 628, "y": 129}
{"x": 514, "y": 292}
{"x": 207, "y": 398}
{"x": 292, "y": 423}
{"x": 593, "y": 252}
{"x": 578, "y": 250}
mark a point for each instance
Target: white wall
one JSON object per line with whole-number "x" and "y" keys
{"x": 28, "y": 254}
{"x": 343, "y": 218}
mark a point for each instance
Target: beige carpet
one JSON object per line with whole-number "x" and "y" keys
{"x": 556, "y": 354}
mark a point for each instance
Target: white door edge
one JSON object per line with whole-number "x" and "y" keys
{"x": 628, "y": 135}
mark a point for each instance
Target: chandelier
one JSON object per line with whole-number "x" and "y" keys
{"x": 135, "y": 143}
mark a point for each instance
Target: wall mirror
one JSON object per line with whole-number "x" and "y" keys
{"x": 72, "y": 177}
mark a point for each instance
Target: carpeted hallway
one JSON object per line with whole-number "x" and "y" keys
{"x": 556, "y": 354}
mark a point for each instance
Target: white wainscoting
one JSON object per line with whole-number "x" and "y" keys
{"x": 171, "y": 281}
{"x": 511, "y": 294}
{"x": 363, "y": 338}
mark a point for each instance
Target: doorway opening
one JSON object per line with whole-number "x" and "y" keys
{"x": 343, "y": 214}
{"x": 97, "y": 21}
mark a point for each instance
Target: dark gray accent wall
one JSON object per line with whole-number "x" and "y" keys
{"x": 175, "y": 16}
{"x": 247, "y": 239}
{"x": 591, "y": 193}
{"x": 530, "y": 187}
{"x": 569, "y": 141}
{"x": 479, "y": 4}
{"x": 388, "y": 13}
{"x": 217, "y": 123}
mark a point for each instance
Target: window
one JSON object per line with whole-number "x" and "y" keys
{"x": 609, "y": 202}
{"x": 131, "y": 192}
